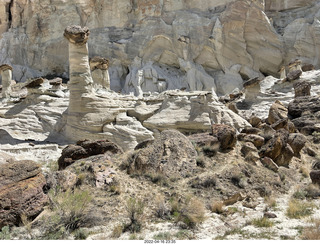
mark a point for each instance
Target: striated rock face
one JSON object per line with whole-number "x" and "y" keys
{"x": 209, "y": 44}
{"x": 21, "y": 191}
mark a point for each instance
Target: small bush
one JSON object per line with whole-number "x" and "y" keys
{"x": 80, "y": 234}
{"x": 270, "y": 202}
{"x": 184, "y": 235}
{"x": 5, "y": 233}
{"x": 312, "y": 191}
{"x": 210, "y": 151}
{"x": 117, "y": 231}
{"x": 312, "y": 232}
{"x": 201, "y": 162}
{"x": 298, "y": 209}
{"x": 299, "y": 194}
{"x": 304, "y": 171}
{"x": 70, "y": 212}
{"x": 134, "y": 209}
{"x": 191, "y": 213}
{"x": 162, "y": 236}
{"x": 161, "y": 210}
{"x": 216, "y": 207}
{"x": 262, "y": 222}
{"x": 159, "y": 179}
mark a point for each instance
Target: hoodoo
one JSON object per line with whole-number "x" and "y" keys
{"x": 99, "y": 71}
{"x": 6, "y": 73}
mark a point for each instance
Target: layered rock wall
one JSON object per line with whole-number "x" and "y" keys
{"x": 230, "y": 41}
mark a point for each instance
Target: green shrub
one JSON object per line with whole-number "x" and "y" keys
{"x": 80, "y": 234}
{"x": 69, "y": 213}
{"x": 262, "y": 222}
{"x": 5, "y": 233}
{"x": 134, "y": 209}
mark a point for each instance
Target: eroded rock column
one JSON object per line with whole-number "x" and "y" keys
{"x": 99, "y": 71}
{"x": 80, "y": 80}
{"x": 6, "y": 73}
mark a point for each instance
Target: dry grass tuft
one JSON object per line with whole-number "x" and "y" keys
{"x": 298, "y": 209}
{"x": 312, "y": 232}
{"x": 216, "y": 207}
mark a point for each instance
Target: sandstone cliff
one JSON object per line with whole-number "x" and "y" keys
{"x": 186, "y": 44}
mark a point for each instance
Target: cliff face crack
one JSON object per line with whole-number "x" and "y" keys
{"x": 8, "y": 10}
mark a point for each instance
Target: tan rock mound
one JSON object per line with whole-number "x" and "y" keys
{"x": 172, "y": 155}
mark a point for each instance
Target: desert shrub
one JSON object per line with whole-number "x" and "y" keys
{"x": 312, "y": 232}
{"x": 210, "y": 151}
{"x": 80, "y": 234}
{"x": 161, "y": 210}
{"x": 270, "y": 202}
{"x": 191, "y": 212}
{"x": 134, "y": 209}
{"x": 69, "y": 213}
{"x": 299, "y": 194}
{"x": 201, "y": 162}
{"x": 117, "y": 231}
{"x": 162, "y": 236}
{"x": 312, "y": 191}
{"x": 158, "y": 178}
{"x": 216, "y": 207}
{"x": 262, "y": 222}
{"x": 184, "y": 235}
{"x": 5, "y": 233}
{"x": 298, "y": 209}
{"x": 304, "y": 171}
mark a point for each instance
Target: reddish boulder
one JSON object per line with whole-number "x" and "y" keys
{"x": 85, "y": 149}
{"x": 21, "y": 191}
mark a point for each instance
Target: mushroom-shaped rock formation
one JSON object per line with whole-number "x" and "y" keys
{"x": 6, "y": 73}
{"x": 89, "y": 114}
{"x": 252, "y": 89}
{"x": 99, "y": 71}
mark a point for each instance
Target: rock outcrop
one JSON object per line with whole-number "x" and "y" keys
{"x": 212, "y": 41}
{"x": 172, "y": 155}
{"x": 21, "y": 193}
{"x": 85, "y": 149}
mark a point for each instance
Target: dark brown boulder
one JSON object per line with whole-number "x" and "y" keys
{"x": 84, "y": 149}
{"x": 302, "y": 105}
{"x": 315, "y": 176}
{"x": 226, "y": 135}
{"x": 307, "y": 67}
{"x": 21, "y": 192}
{"x": 294, "y": 75}
{"x": 302, "y": 89}
{"x": 278, "y": 149}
